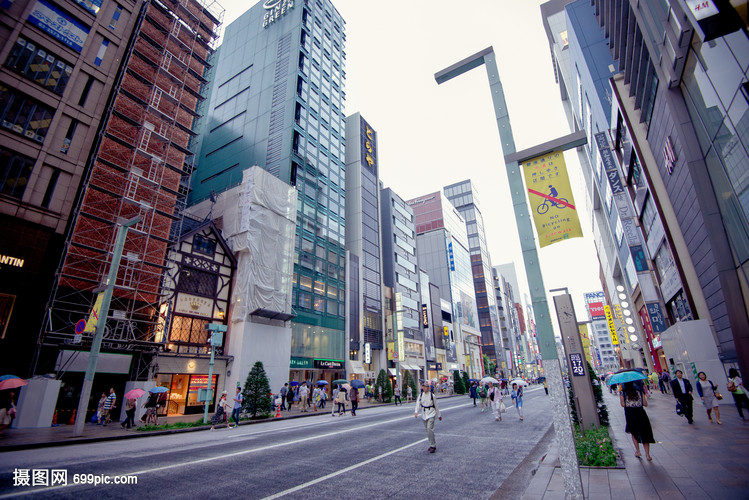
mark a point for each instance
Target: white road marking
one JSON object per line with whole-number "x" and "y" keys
{"x": 337, "y": 432}
{"x": 342, "y": 471}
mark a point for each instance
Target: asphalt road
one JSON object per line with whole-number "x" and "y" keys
{"x": 380, "y": 453}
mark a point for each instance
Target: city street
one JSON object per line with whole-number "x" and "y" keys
{"x": 380, "y": 453}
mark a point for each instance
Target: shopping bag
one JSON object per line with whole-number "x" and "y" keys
{"x": 502, "y": 407}
{"x": 679, "y": 409}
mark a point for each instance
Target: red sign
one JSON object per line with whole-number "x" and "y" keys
{"x": 596, "y": 310}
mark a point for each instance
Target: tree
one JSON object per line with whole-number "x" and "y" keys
{"x": 458, "y": 386}
{"x": 466, "y": 382}
{"x": 489, "y": 366}
{"x": 409, "y": 381}
{"x": 256, "y": 393}
{"x": 387, "y": 388}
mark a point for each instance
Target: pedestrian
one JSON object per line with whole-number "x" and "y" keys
{"x": 340, "y": 402}
{"x": 517, "y": 397}
{"x": 289, "y": 398}
{"x": 473, "y": 393}
{"x": 546, "y": 387}
{"x": 638, "y": 424}
{"x": 738, "y": 391}
{"x": 409, "y": 394}
{"x": 666, "y": 377}
{"x": 316, "y": 398}
{"x": 323, "y": 397}
{"x": 379, "y": 393}
{"x": 482, "y": 397}
{"x": 495, "y": 401}
{"x": 284, "y": 390}
{"x": 237, "y": 406}
{"x": 109, "y": 406}
{"x": 220, "y": 414}
{"x": 397, "y": 395}
{"x": 354, "y": 398}
{"x": 682, "y": 390}
{"x": 100, "y": 408}
{"x": 426, "y": 404}
{"x": 662, "y": 384}
{"x": 7, "y": 411}
{"x": 303, "y": 393}
{"x": 129, "y": 413}
{"x": 151, "y": 415}
{"x": 710, "y": 396}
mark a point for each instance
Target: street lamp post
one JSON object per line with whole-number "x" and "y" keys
{"x": 545, "y": 333}
{"x": 93, "y": 357}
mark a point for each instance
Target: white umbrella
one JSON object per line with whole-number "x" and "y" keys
{"x": 518, "y": 381}
{"x": 489, "y": 379}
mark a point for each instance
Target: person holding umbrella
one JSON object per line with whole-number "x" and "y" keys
{"x": 426, "y": 405}
{"x": 129, "y": 413}
{"x": 473, "y": 392}
{"x": 354, "y": 398}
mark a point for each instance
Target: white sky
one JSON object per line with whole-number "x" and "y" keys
{"x": 430, "y": 136}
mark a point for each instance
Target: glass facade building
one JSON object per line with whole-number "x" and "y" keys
{"x": 464, "y": 197}
{"x": 278, "y": 102}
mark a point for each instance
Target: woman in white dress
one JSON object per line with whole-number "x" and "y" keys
{"x": 494, "y": 397}
{"x": 707, "y": 391}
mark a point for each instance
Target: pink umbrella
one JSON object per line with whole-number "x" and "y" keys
{"x": 134, "y": 393}
{"x": 12, "y": 383}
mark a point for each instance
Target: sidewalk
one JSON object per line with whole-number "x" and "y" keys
{"x": 20, "y": 439}
{"x": 700, "y": 461}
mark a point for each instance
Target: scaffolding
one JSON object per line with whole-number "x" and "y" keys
{"x": 140, "y": 166}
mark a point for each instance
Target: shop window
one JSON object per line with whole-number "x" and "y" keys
{"x": 188, "y": 330}
{"x": 115, "y": 17}
{"x": 39, "y": 65}
{"x": 15, "y": 170}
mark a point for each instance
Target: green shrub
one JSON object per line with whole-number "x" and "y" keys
{"x": 595, "y": 449}
{"x": 387, "y": 387}
{"x": 458, "y": 386}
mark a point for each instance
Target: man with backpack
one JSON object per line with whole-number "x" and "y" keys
{"x": 482, "y": 396}
{"x": 426, "y": 404}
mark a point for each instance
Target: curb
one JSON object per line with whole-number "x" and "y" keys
{"x": 164, "y": 432}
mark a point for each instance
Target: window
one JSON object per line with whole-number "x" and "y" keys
{"x": 6, "y": 308}
{"x": 203, "y": 245}
{"x": 198, "y": 282}
{"x": 69, "y": 137}
{"x": 50, "y": 188}
{"x": 15, "y": 170}
{"x": 102, "y": 51}
{"x": 24, "y": 115}
{"x": 38, "y": 65}
{"x": 115, "y": 16}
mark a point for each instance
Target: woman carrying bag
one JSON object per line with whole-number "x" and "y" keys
{"x": 495, "y": 401}
{"x": 710, "y": 396}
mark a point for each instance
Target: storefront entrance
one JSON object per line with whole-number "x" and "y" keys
{"x": 182, "y": 397}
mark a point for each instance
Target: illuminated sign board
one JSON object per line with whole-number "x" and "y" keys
{"x": 328, "y": 363}
{"x": 596, "y": 310}
{"x": 424, "y": 316}
{"x": 368, "y": 147}
{"x": 612, "y": 326}
{"x": 8, "y": 260}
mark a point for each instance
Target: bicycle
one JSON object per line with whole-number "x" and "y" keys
{"x": 544, "y": 207}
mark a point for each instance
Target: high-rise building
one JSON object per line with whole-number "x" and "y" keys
{"x": 443, "y": 252}
{"x": 139, "y": 168}
{"x": 400, "y": 272}
{"x": 365, "y": 320}
{"x": 607, "y": 356}
{"x": 55, "y": 83}
{"x": 670, "y": 215}
{"x": 278, "y": 102}
{"x": 464, "y": 197}
{"x": 508, "y": 321}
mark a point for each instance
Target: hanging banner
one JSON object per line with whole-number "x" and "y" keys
{"x": 612, "y": 325}
{"x": 550, "y": 198}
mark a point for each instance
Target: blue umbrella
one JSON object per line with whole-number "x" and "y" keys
{"x": 357, "y": 384}
{"x": 293, "y": 383}
{"x": 6, "y": 377}
{"x": 322, "y": 382}
{"x": 623, "y": 377}
{"x": 159, "y": 389}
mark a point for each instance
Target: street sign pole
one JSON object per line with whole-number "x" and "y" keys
{"x": 209, "y": 384}
{"x": 545, "y": 333}
{"x": 88, "y": 378}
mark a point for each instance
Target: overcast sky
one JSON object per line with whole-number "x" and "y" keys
{"x": 430, "y": 136}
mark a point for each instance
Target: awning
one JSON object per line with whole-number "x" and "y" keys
{"x": 392, "y": 371}
{"x": 357, "y": 367}
{"x": 406, "y": 366}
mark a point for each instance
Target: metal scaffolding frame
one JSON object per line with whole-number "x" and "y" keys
{"x": 140, "y": 166}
